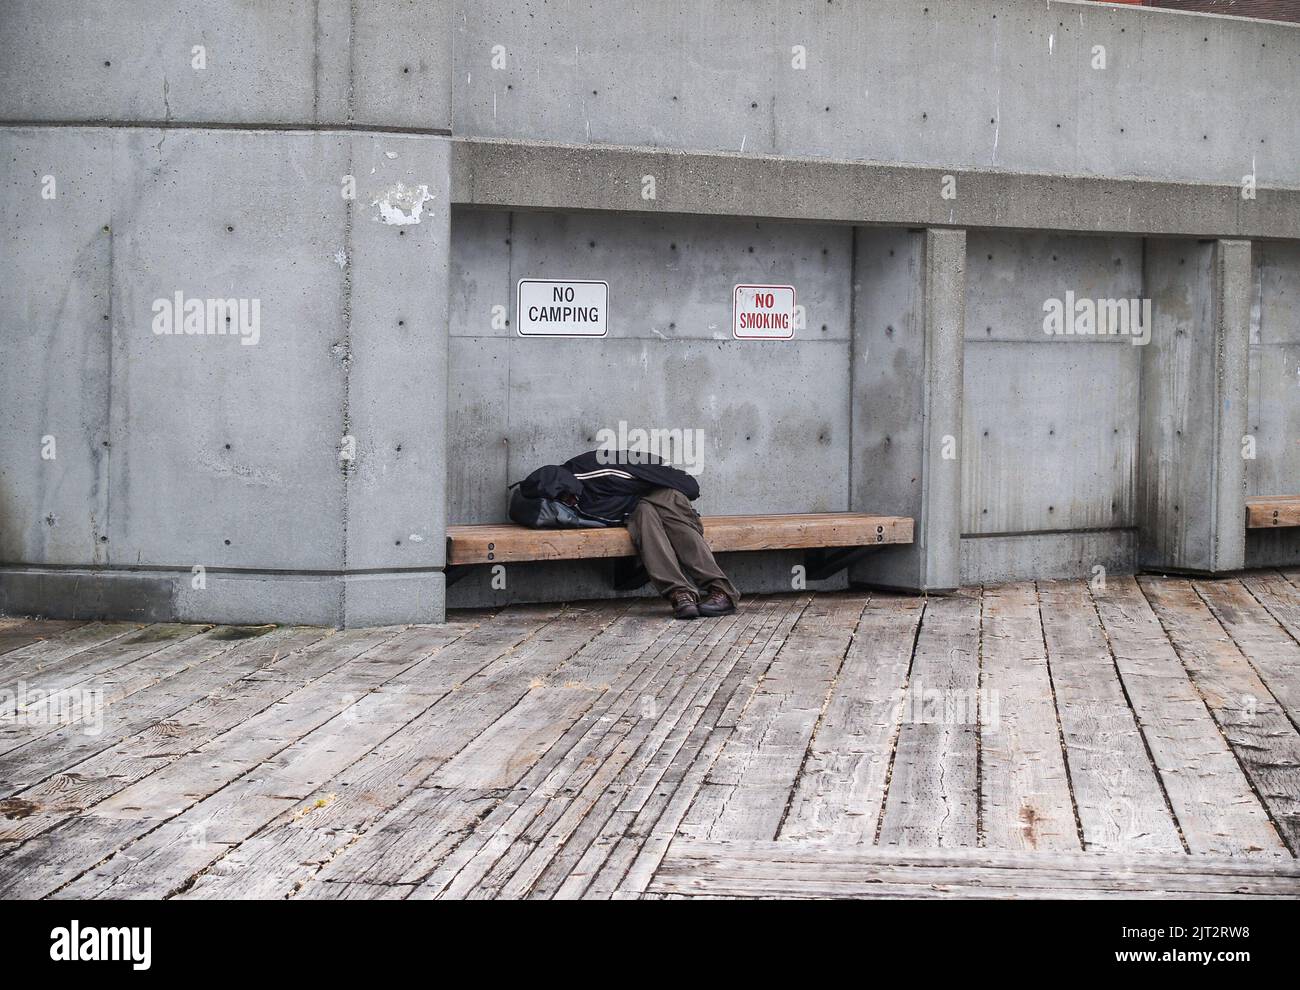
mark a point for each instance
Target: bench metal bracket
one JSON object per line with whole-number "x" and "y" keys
{"x": 629, "y": 574}
{"x": 820, "y": 564}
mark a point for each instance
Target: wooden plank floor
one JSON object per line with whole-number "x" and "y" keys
{"x": 1029, "y": 740}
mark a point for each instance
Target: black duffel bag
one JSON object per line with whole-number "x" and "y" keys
{"x": 536, "y": 502}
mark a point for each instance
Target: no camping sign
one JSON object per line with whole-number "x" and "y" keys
{"x": 763, "y": 312}
{"x": 562, "y": 308}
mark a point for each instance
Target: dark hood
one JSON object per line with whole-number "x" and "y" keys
{"x": 551, "y": 481}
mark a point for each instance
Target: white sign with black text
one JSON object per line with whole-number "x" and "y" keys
{"x": 763, "y": 312}
{"x": 563, "y": 308}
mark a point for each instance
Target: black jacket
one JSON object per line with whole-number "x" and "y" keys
{"x": 539, "y": 501}
{"x": 610, "y": 490}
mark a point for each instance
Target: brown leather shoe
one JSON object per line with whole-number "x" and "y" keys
{"x": 716, "y": 604}
{"x": 685, "y": 605}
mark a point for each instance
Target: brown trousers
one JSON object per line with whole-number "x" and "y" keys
{"x": 670, "y": 538}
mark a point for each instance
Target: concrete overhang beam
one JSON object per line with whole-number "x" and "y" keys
{"x": 524, "y": 175}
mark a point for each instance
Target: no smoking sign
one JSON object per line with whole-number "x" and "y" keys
{"x": 763, "y": 312}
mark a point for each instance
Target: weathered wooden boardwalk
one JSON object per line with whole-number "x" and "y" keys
{"x": 1019, "y": 741}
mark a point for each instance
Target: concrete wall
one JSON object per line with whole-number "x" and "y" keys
{"x": 1050, "y": 429}
{"x": 1275, "y": 371}
{"x": 288, "y": 64}
{"x": 1078, "y": 455}
{"x": 773, "y": 415}
{"x": 1275, "y": 395}
{"x": 1006, "y": 84}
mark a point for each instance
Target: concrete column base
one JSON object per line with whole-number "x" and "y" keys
{"x": 228, "y": 598}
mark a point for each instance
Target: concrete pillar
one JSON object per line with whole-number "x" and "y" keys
{"x": 1195, "y": 370}
{"x": 395, "y": 493}
{"x": 294, "y": 476}
{"x": 908, "y": 333}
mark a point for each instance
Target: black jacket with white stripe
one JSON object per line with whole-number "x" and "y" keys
{"x": 613, "y": 481}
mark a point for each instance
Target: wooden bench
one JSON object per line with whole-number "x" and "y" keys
{"x": 1273, "y": 510}
{"x": 832, "y": 541}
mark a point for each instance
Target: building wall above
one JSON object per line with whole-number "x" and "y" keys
{"x": 1049, "y": 86}
{"x": 1059, "y": 87}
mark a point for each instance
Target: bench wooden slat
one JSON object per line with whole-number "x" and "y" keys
{"x": 1272, "y": 510}
{"x": 505, "y": 542}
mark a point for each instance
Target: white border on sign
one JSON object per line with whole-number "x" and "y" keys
{"x": 519, "y": 303}
{"x": 794, "y": 306}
